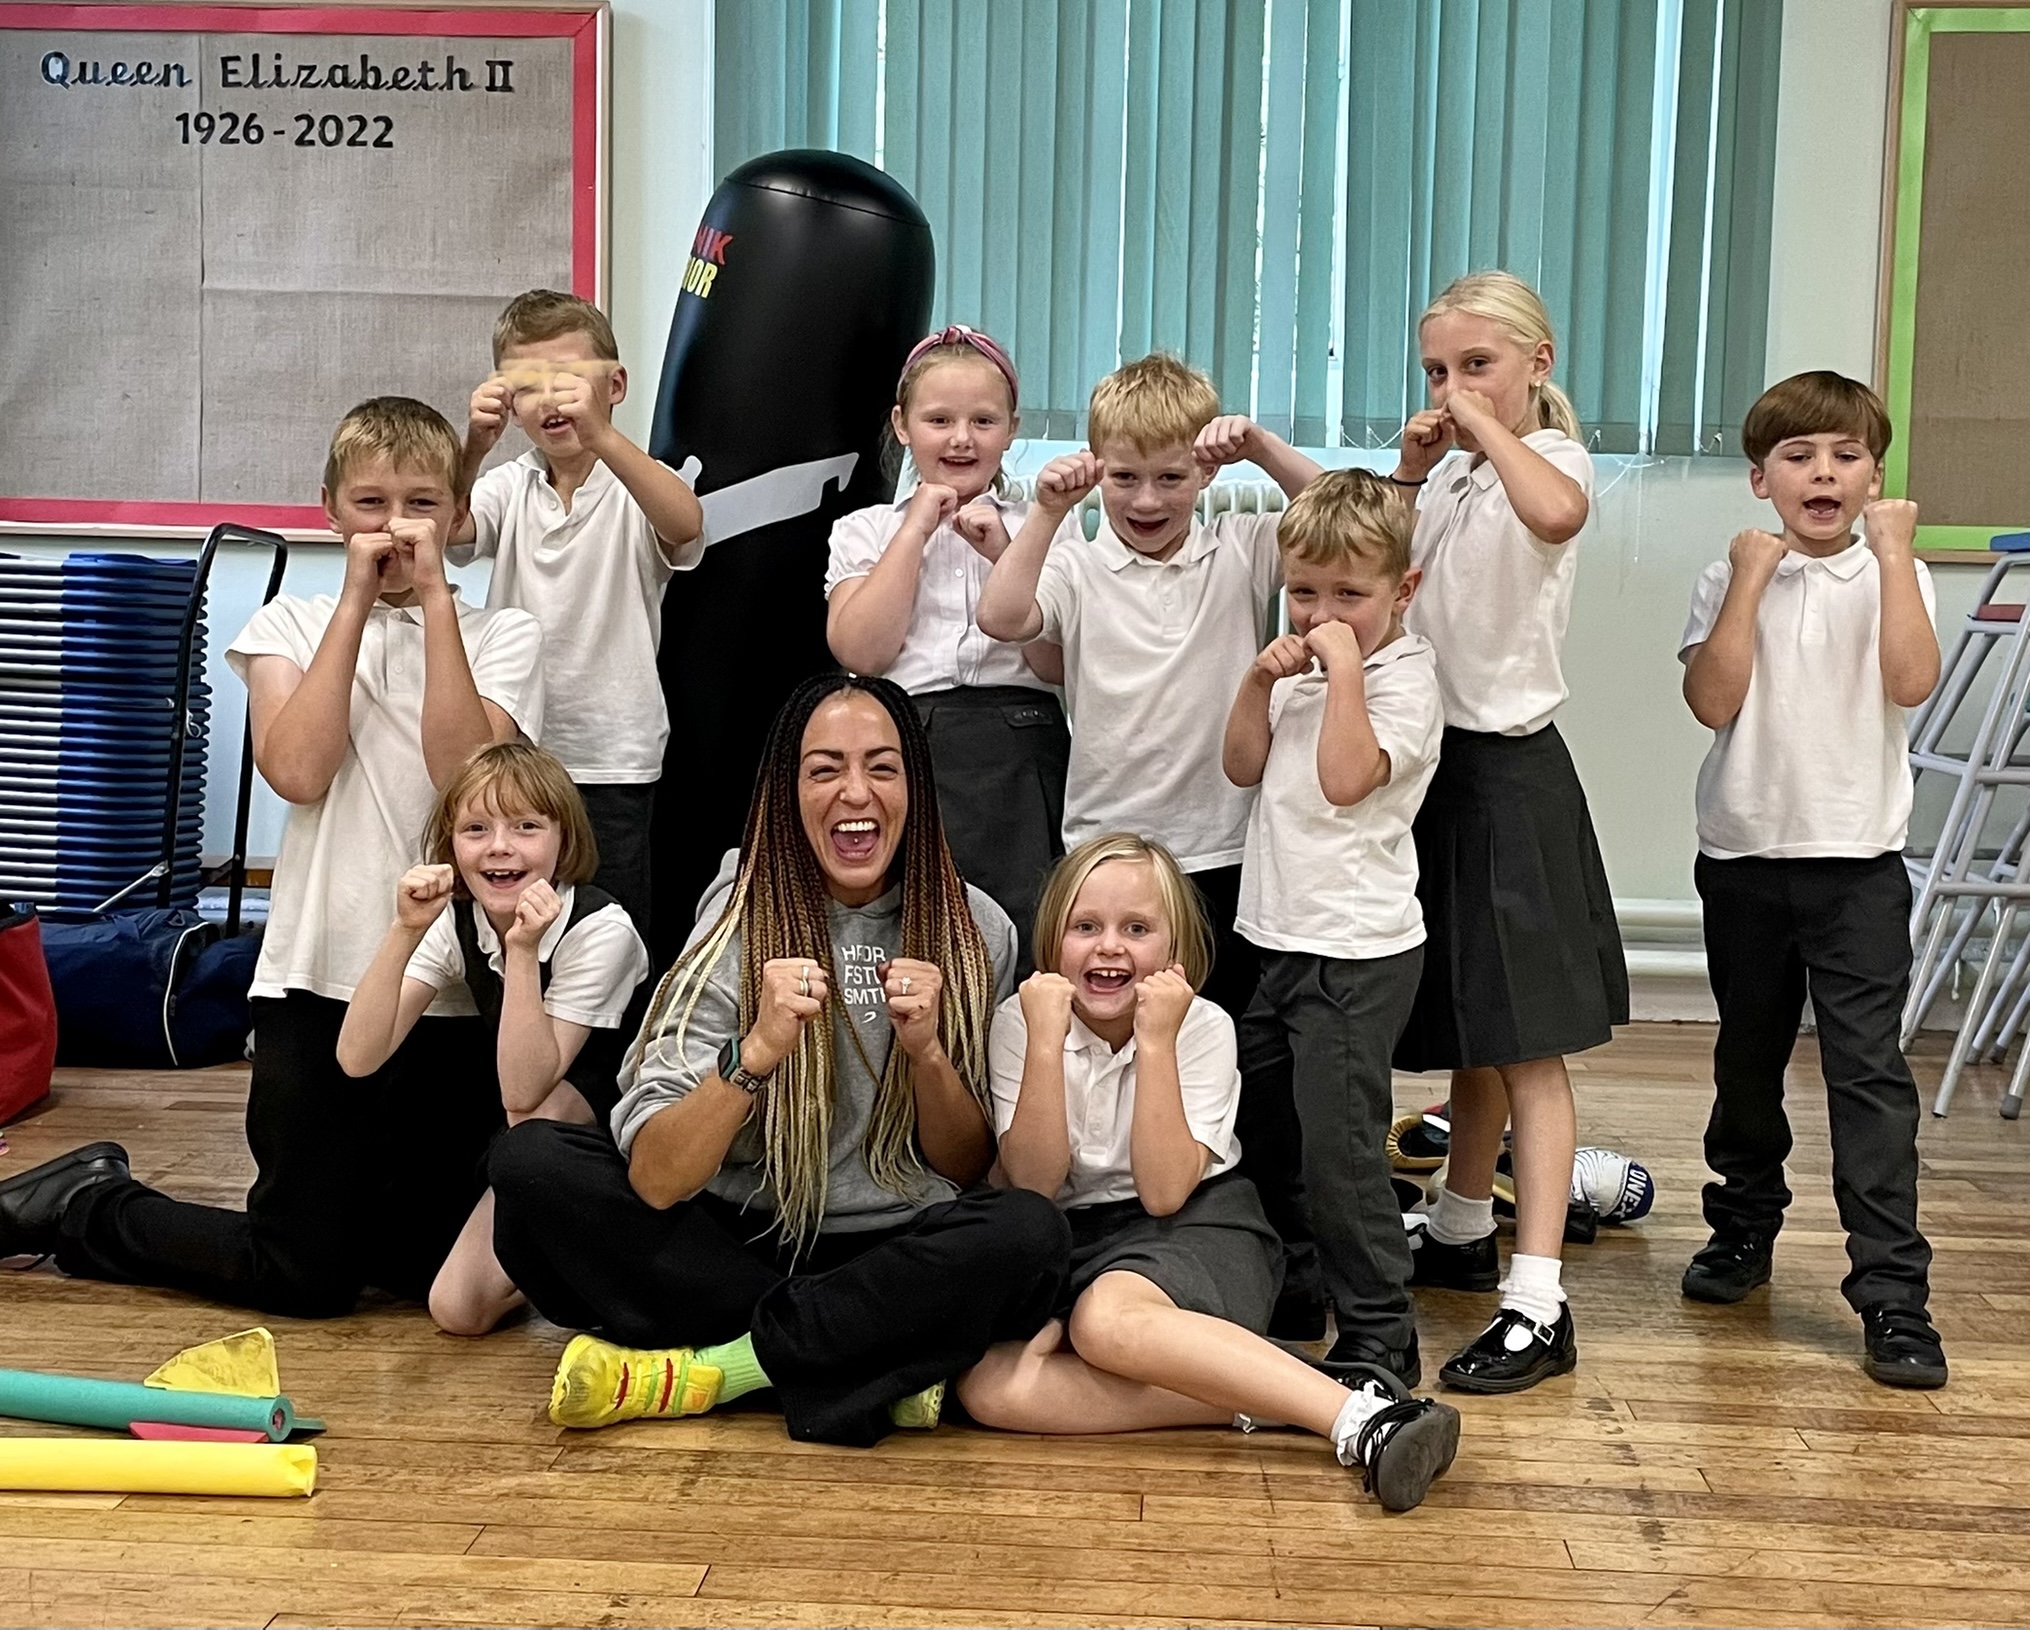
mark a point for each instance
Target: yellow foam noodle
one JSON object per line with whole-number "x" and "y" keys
{"x": 242, "y": 1364}
{"x": 114, "y": 1466}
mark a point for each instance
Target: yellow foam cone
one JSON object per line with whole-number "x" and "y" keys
{"x": 242, "y": 1364}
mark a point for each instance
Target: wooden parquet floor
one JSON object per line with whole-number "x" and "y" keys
{"x": 1704, "y": 1466}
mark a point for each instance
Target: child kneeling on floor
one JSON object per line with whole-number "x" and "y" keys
{"x": 1115, "y": 1086}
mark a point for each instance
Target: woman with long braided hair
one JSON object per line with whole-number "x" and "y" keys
{"x": 791, "y": 1196}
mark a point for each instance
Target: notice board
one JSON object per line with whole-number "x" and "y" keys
{"x": 225, "y": 225}
{"x": 1956, "y": 309}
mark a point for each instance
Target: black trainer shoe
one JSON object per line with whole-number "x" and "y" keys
{"x": 1496, "y": 1361}
{"x": 32, "y": 1202}
{"x": 1403, "y": 1447}
{"x": 1454, "y": 1267}
{"x": 1356, "y": 1356}
{"x": 1729, "y": 1267}
{"x": 1903, "y": 1348}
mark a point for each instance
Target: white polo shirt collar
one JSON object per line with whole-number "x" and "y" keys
{"x": 1198, "y": 543}
{"x": 1846, "y": 565}
{"x": 489, "y": 942}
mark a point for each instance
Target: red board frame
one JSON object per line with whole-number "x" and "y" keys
{"x": 584, "y": 25}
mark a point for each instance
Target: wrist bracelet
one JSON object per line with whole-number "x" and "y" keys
{"x": 1397, "y": 480}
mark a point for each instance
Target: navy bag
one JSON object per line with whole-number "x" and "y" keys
{"x": 150, "y": 989}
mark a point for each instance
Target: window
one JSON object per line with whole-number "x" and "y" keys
{"x": 1275, "y": 189}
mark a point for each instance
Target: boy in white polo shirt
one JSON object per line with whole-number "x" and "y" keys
{"x": 361, "y": 704}
{"x": 584, "y": 530}
{"x": 1339, "y": 723}
{"x": 1801, "y": 653}
{"x": 1158, "y": 617}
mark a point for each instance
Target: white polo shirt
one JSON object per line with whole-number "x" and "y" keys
{"x": 594, "y": 577}
{"x": 1153, "y": 652}
{"x": 1816, "y": 764}
{"x": 333, "y": 894}
{"x": 593, "y": 969}
{"x": 1495, "y": 598}
{"x": 1099, "y": 1096}
{"x": 1332, "y": 881}
{"x": 943, "y": 647}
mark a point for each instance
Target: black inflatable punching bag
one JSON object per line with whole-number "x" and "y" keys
{"x": 808, "y": 282}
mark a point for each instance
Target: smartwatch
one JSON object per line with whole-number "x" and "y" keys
{"x": 736, "y": 1074}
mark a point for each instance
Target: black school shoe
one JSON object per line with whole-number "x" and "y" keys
{"x": 1487, "y": 1363}
{"x": 1356, "y": 1357}
{"x": 1729, "y": 1267}
{"x": 1403, "y": 1447}
{"x": 32, "y": 1202}
{"x": 1476, "y": 1266}
{"x": 1903, "y": 1348}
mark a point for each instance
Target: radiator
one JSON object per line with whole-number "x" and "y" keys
{"x": 1221, "y": 498}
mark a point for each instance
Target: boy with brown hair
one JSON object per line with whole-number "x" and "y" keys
{"x": 585, "y": 530}
{"x": 1801, "y": 653}
{"x": 1338, "y": 722}
{"x": 361, "y": 704}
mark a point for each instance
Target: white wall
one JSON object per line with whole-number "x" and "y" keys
{"x": 1657, "y": 522}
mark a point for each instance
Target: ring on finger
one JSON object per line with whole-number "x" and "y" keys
{"x": 803, "y": 980}
{"x": 905, "y": 984}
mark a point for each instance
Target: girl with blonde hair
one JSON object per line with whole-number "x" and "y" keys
{"x": 1115, "y": 1088}
{"x": 1523, "y": 961}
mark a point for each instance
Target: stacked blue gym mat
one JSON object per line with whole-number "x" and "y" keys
{"x": 88, "y": 674}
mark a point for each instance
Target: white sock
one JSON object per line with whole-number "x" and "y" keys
{"x": 1367, "y": 1399}
{"x": 1460, "y": 1222}
{"x": 1532, "y": 1287}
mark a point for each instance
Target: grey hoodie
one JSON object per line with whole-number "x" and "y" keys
{"x": 658, "y": 1071}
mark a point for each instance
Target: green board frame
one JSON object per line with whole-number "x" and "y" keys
{"x": 1899, "y": 329}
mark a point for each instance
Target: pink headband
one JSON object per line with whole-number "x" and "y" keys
{"x": 960, "y": 334}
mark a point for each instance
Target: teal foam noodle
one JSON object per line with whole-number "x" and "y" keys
{"x": 76, "y": 1400}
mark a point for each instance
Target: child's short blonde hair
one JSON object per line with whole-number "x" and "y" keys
{"x": 1518, "y": 310}
{"x": 1345, "y": 516}
{"x": 1190, "y": 933}
{"x": 411, "y": 435}
{"x": 549, "y": 314}
{"x": 515, "y": 778}
{"x": 1814, "y": 404}
{"x": 1157, "y": 403}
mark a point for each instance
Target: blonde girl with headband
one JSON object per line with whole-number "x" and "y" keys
{"x": 789, "y": 1198}
{"x": 1523, "y": 962}
{"x": 1115, "y": 1092}
{"x": 902, "y": 587}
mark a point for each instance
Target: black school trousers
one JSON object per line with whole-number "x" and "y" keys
{"x": 1316, "y": 1104}
{"x": 1236, "y": 961}
{"x": 620, "y": 813}
{"x": 361, "y": 1182}
{"x": 857, "y": 1323}
{"x": 1840, "y": 930}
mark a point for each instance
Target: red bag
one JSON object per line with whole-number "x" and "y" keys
{"x": 27, "y": 1014}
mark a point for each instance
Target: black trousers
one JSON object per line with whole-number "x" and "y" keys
{"x": 360, "y": 1183}
{"x": 1236, "y": 962}
{"x": 860, "y": 1321}
{"x": 1839, "y": 929}
{"x": 999, "y": 754}
{"x": 1313, "y": 1123}
{"x": 620, "y": 813}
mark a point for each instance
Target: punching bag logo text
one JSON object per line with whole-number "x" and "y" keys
{"x": 708, "y": 254}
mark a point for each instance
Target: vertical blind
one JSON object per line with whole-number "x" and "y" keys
{"x": 1274, "y": 189}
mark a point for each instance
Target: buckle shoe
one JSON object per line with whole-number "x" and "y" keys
{"x": 1496, "y": 1361}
